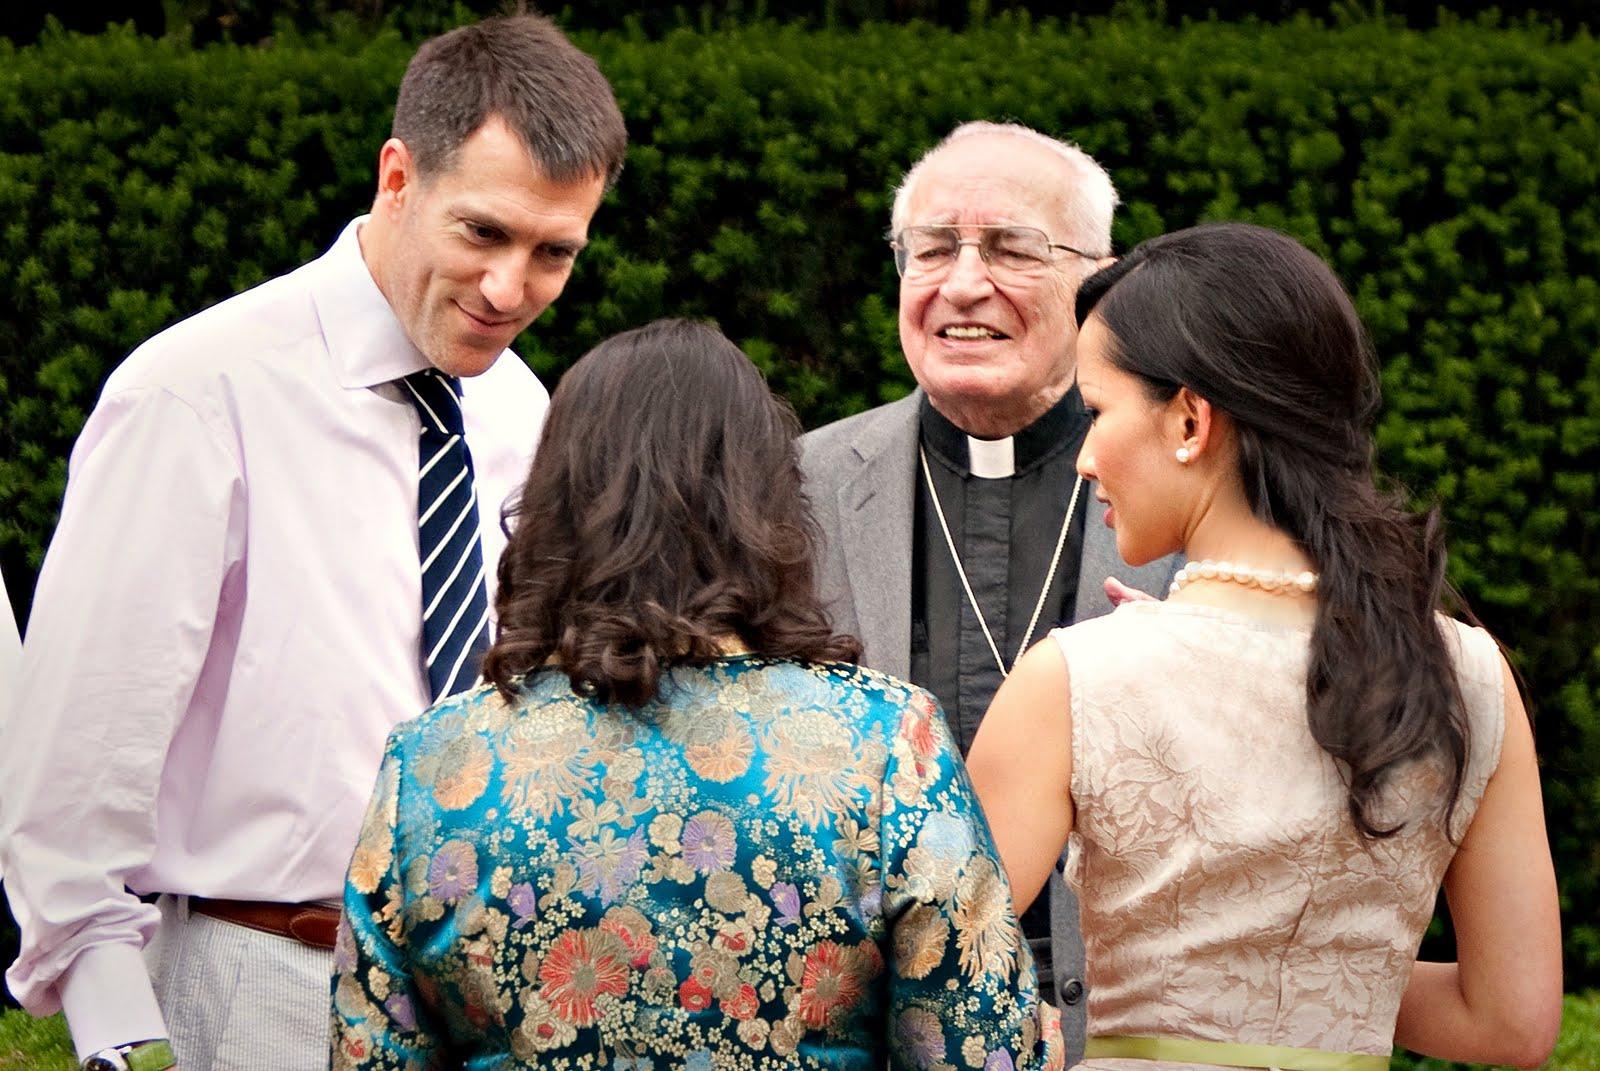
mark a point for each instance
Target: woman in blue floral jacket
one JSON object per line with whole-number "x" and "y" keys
{"x": 679, "y": 827}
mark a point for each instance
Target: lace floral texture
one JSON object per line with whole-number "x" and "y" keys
{"x": 1226, "y": 895}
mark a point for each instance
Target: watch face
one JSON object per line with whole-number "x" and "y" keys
{"x": 101, "y": 1063}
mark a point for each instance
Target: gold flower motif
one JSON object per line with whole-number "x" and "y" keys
{"x": 986, "y": 933}
{"x": 463, "y": 772}
{"x": 920, "y": 937}
{"x": 665, "y": 830}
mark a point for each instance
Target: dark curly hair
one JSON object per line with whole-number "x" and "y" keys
{"x": 662, "y": 517}
{"x": 1253, "y": 322}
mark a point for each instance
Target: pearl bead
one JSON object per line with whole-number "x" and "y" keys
{"x": 1267, "y": 580}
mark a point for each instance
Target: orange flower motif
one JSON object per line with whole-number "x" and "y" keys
{"x": 742, "y": 1005}
{"x": 829, "y": 984}
{"x": 733, "y": 939}
{"x": 694, "y": 994}
{"x": 917, "y": 731}
{"x": 582, "y": 965}
{"x": 637, "y": 938}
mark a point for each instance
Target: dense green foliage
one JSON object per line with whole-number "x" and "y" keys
{"x": 253, "y": 21}
{"x": 1450, "y": 176}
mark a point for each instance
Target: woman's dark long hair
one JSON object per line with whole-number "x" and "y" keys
{"x": 662, "y": 517}
{"x": 1254, "y": 323}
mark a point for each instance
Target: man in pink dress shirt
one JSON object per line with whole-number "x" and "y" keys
{"x": 229, "y": 620}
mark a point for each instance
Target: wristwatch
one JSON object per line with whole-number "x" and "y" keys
{"x": 154, "y": 1055}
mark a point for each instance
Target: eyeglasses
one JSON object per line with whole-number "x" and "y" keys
{"x": 926, "y": 254}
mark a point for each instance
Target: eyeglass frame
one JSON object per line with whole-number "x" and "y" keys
{"x": 901, "y": 253}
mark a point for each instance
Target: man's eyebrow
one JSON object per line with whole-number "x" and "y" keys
{"x": 469, "y": 213}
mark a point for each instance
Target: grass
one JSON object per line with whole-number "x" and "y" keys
{"x": 42, "y": 1044}
{"x": 34, "y": 1044}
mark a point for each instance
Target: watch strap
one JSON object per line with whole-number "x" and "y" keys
{"x": 154, "y": 1055}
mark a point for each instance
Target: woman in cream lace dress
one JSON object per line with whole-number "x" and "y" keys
{"x": 1267, "y": 776}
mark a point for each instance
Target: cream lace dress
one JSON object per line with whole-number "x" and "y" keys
{"x": 1226, "y": 895}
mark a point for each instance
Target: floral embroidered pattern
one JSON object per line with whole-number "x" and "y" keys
{"x": 1203, "y": 798}
{"x": 775, "y": 865}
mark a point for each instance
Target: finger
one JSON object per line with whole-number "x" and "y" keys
{"x": 1119, "y": 593}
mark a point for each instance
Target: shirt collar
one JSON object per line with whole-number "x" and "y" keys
{"x": 365, "y": 339}
{"x": 1062, "y": 425}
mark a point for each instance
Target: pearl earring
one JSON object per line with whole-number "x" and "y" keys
{"x": 1182, "y": 455}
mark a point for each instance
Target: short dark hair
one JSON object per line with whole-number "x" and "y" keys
{"x": 663, "y": 514}
{"x": 522, "y": 69}
{"x": 1256, "y": 324}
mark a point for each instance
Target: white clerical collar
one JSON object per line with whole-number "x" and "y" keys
{"x": 992, "y": 459}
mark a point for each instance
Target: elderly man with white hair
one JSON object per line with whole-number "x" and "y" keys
{"x": 957, "y": 530}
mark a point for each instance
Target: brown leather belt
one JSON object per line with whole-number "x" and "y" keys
{"x": 310, "y": 924}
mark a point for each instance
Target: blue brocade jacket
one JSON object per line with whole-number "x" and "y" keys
{"x": 772, "y": 865}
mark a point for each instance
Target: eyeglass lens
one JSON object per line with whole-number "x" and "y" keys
{"x": 933, "y": 250}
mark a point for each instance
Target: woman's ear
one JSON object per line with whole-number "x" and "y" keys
{"x": 1192, "y": 425}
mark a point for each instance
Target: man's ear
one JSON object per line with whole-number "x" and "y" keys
{"x": 396, "y": 176}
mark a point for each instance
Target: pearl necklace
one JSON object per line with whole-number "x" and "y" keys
{"x": 1277, "y": 583}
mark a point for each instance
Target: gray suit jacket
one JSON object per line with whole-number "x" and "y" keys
{"x": 861, "y": 479}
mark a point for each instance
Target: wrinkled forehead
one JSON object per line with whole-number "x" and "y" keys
{"x": 988, "y": 180}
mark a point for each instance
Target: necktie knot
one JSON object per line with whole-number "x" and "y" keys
{"x": 437, "y": 399}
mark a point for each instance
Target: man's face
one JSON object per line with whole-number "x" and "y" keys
{"x": 1009, "y": 355}
{"x": 479, "y": 250}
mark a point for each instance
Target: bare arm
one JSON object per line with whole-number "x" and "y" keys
{"x": 1021, "y": 767}
{"x": 1501, "y": 1002}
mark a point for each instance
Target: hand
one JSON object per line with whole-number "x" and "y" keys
{"x": 1119, "y": 593}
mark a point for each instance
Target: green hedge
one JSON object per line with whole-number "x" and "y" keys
{"x": 1449, "y": 175}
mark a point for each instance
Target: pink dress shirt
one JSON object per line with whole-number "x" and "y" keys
{"x": 226, "y": 627}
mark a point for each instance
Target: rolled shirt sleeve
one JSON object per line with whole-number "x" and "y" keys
{"x": 122, "y": 627}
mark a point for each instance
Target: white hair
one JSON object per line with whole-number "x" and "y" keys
{"x": 1089, "y": 196}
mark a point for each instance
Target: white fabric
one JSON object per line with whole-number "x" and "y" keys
{"x": 992, "y": 459}
{"x": 239, "y": 1000}
{"x": 10, "y": 647}
{"x": 226, "y": 627}
{"x": 10, "y": 661}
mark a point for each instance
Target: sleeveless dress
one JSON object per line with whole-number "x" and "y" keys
{"x": 1226, "y": 894}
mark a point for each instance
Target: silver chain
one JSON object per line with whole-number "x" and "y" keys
{"x": 1044, "y": 593}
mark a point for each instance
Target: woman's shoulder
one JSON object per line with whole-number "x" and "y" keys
{"x": 854, "y": 692}
{"x": 481, "y": 710}
{"x": 1144, "y": 628}
{"x": 1474, "y": 652}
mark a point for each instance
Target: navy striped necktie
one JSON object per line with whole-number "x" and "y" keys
{"x": 455, "y": 599}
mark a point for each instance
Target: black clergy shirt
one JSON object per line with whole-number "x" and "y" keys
{"x": 1005, "y": 530}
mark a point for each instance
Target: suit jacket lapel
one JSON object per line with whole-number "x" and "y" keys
{"x": 876, "y": 513}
